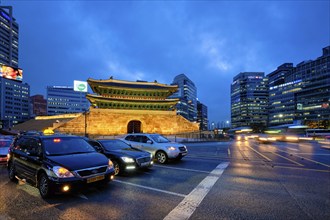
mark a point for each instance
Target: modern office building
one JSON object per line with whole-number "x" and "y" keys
{"x": 64, "y": 100}
{"x": 14, "y": 99}
{"x": 14, "y": 102}
{"x": 282, "y": 96}
{"x": 187, "y": 95}
{"x": 312, "y": 101}
{"x": 249, "y": 100}
{"x": 8, "y": 37}
{"x": 38, "y": 105}
{"x": 202, "y": 118}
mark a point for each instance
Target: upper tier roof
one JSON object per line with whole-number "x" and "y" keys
{"x": 138, "y": 85}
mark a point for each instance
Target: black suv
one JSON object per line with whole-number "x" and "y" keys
{"x": 57, "y": 163}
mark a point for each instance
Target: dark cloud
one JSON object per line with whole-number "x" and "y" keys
{"x": 210, "y": 42}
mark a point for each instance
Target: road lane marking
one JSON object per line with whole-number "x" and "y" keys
{"x": 189, "y": 204}
{"x": 183, "y": 169}
{"x": 299, "y": 168}
{"x": 314, "y": 161}
{"x": 150, "y": 188}
{"x": 268, "y": 159}
{"x": 299, "y": 164}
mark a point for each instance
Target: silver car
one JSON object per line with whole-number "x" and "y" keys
{"x": 161, "y": 148}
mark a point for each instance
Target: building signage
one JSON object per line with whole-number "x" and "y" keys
{"x": 80, "y": 86}
{"x": 10, "y": 72}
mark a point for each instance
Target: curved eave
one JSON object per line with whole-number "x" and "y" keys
{"x": 95, "y": 98}
{"x": 123, "y": 84}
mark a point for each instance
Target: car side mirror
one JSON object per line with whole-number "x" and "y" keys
{"x": 149, "y": 142}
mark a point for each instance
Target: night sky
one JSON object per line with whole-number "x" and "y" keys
{"x": 209, "y": 41}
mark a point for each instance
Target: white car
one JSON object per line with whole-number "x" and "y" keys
{"x": 161, "y": 148}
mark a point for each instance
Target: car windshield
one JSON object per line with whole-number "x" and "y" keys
{"x": 5, "y": 143}
{"x": 159, "y": 138}
{"x": 115, "y": 145}
{"x": 66, "y": 145}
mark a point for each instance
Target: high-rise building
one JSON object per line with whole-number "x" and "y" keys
{"x": 187, "y": 94}
{"x": 14, "y": 99}
{"x": 312, "y": 101}
{"x": 282, "y": 96}
{"x": 64, "y": 100}
{"x": 14, "y": 102}
{"x": 249, "y": 100}
{"x": 8, "y": 37}
{"x": 38, "y": 105}
{"x": 202, "y": 118}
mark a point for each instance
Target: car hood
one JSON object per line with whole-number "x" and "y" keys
{"x": 3, "y": 150}
{"x": 80, "y": 161}
{"x": 130, "y": 153}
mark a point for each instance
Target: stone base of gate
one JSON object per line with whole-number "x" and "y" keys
{"x": 117, "y": 122}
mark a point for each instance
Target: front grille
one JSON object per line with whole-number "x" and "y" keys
{"x": 143, "y": 160}
{"x": 92, "y": 171}
{"x": 182, "y": 149}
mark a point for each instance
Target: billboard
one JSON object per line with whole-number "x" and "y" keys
{"x": 80, "y": 86}
{"x": 10, "y": 72}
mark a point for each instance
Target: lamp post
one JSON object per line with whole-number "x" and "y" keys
{"x": 85, "y": 113}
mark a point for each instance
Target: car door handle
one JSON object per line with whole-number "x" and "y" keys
{"x": 23, "y": 158}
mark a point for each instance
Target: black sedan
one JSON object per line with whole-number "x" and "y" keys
{"x": 124, "y": 157}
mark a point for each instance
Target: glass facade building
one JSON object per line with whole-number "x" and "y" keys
{"x": 8, "y": 37}
{"x": 312, "y": 101}
{"x": 282, "y": 96}
{"x": 296, "y": 95}
{"x": 202, "y": 118}
{"x": 187, "y": 95}
{"x": 249, "y": 100}
{"x": 14, "y": 99}
{"x": 14, "y": 102}
{"x": 64, "y": 100}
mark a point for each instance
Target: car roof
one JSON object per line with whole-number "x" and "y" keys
{"x": 142, "y": 134}
{"x": 42, "y": 136}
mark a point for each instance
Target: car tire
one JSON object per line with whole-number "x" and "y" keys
{"x": 116, "y": 166}
{"x": 161, "y": 157}
{"x": 12, "y": 173}
{"x": 44, "y": 186}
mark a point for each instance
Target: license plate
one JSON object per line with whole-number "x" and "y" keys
{"x": 145, "y": 164}
{"x": 94, "y": 179}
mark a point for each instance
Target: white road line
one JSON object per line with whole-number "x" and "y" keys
{"x": 189, "y": 204}
{"x": 183, "y": 169}
{"x": 299, "y": 164}
{"x": 150, "y": 188}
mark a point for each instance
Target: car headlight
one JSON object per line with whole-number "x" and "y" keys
{"x": 127, "y": 159}
{"x": 171, "y": 148}
{"x": 110, "y": 164}
{"x": 62, "y": 172}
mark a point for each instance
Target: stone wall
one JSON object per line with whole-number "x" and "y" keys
{"x": 114, "y": 122}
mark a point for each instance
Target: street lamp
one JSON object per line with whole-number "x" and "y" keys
{"x": 85, "y": 113}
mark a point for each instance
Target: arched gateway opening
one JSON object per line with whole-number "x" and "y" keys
{"x": 134, "y": 127}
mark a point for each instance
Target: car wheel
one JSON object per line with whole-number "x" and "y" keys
{"x": 12, "y": 173}
{"x": 161, "y": 157}
{"x": 44, "y": 186}
{"x": 116, "y": 167}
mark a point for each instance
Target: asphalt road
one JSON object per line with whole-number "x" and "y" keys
{"x": 219, "y": 180}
